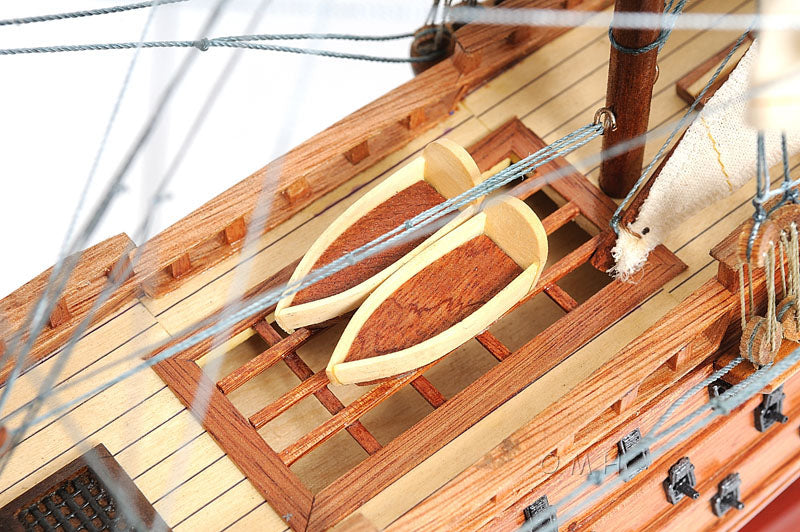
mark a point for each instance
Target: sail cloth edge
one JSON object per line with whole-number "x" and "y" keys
{"x": 716, "y": 157}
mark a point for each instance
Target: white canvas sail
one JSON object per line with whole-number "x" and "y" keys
{"x": 716, "y": 157}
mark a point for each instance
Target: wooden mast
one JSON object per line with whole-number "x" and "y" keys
{"x": 630, "y": 89}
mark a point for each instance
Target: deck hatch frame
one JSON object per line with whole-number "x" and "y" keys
{"x": 269, "y": 471}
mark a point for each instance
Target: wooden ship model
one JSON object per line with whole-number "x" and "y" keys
{"x": 485, "y": 373}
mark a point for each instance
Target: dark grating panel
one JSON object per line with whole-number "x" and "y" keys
{"x": 76, "y": 499}
{"x": 82, "y": 503}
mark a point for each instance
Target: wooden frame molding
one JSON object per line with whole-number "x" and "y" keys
{"x": 269, "y": 471}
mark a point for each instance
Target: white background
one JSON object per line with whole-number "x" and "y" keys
{"x": 54, "y": 109}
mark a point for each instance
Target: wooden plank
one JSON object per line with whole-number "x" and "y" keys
{"x": 289, "y": 399}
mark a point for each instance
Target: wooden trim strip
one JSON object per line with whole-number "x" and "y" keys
{"x": 493, "y": 344}
{"x": 560, "y": 297}
{"x": 289, "y": 399}
{"x": 262, "y": 362}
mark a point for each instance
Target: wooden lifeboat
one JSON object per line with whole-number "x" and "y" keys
{"x": 444, "y": 170}
{"x": 448, "y": 293}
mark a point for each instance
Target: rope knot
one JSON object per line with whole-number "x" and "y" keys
{"x": 202, "y": 44}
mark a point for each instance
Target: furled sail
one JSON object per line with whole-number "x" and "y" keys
{"x": 716, "y": 156}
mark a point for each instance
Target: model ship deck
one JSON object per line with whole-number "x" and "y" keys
{"x": 187, "y": 476}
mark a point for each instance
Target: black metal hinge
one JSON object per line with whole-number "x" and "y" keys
{"x": 540, "y": 516}
{"x": 681, "y": 481}
{"x": 631, "y": 465}
{"x": 727, "y": 496}
{"x": 770, "y": 411}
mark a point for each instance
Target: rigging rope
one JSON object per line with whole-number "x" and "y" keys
{"x": 87, "y": 12}
{"x": 242, "y": 41}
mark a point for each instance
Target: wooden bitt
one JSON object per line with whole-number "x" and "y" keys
{"x": 61, "y": 313}
{"x": 297, "y": 191}
{"x": 357, "y": 153}
{"x": 444, "y": 171}
{"x": 181, "y": 266}
{"x": 444, "y": 296}
{"x": 414, "y": 119}
{"x": 236, "y": 231}
{"x": 754, "y": 345}
{"x": 630, "y": 89}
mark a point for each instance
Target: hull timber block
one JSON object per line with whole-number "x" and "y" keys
{"x": 357, "y": 153}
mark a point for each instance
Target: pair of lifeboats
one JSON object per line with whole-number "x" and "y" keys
{"x": 418, "y": 300}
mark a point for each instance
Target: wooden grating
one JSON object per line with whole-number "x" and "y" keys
{"x": 269, "y": 470}
{"x": 91, "y": 493}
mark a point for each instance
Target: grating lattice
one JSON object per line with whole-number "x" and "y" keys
{"x": 81, "y": 503}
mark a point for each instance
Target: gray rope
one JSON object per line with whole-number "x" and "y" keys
{"x": 86, "y": 13}
{"x": 567, "y": 144}
{"x": 617, "y": 217}
{"x": 315, "y": 36}
{"x": 671, "y": 16}
{"x": 240, "y": 41}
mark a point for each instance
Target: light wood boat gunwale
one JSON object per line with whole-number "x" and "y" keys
{"x": 513, "y": 227}
{"x": 445, "y": 166}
